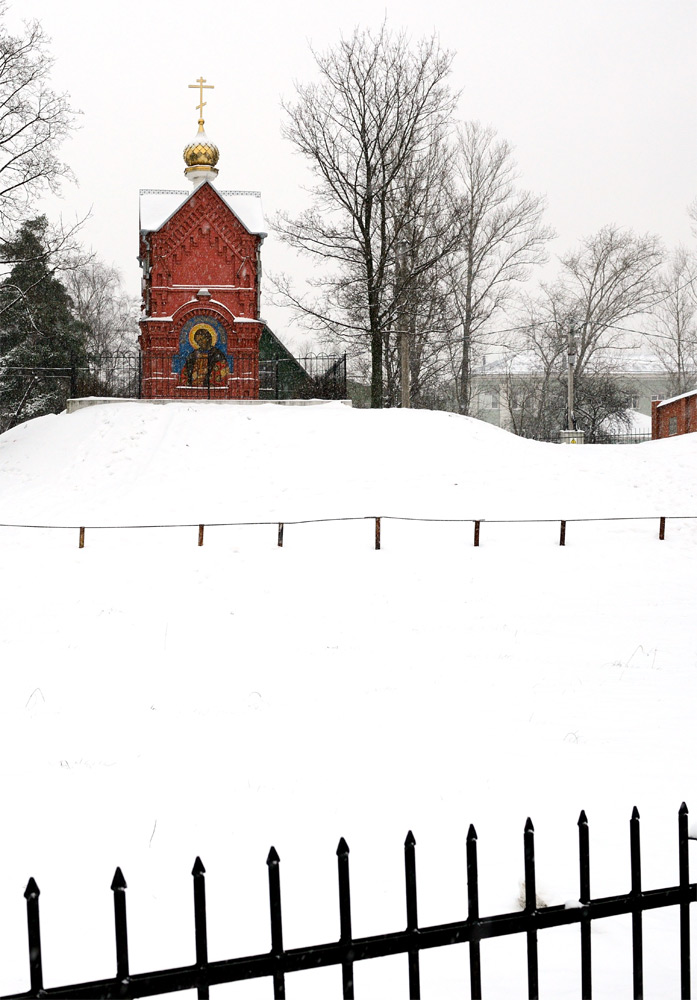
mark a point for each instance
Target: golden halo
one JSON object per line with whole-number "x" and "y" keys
{"x": 197, "y": 329}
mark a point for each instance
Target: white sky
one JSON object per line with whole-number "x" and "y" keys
{"x": 599, "y": 99}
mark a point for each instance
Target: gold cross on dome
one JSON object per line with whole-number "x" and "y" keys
{"x": 201, "y": 85}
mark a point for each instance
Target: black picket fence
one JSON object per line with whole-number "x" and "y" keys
{"x": 279, "y": 962}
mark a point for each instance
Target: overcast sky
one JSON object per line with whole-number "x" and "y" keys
{"x": 598, "y": 98}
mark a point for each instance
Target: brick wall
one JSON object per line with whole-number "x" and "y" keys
{"x": 674, "y": 416}
{"x": 202, "y": 246}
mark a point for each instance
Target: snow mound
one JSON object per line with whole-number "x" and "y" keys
{"x": 190, "y": 463}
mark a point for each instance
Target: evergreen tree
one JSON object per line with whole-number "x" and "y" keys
{"x": 41, "y": 342}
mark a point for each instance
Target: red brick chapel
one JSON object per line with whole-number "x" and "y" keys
{"x": 200, "y": 253}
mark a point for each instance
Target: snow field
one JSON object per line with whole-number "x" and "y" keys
{"x": 161, "y": 700}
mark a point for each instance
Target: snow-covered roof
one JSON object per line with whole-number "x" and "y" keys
{"x": 636, "y": 423}
{"x": 527, "y": 363}
{"x": 673, "y": 399}
{"x": 156, "y": 207}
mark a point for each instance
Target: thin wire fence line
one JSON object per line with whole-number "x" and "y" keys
{"x": 358, "y": 517}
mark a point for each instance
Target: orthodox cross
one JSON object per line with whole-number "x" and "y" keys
{"x": 201, "y": 85}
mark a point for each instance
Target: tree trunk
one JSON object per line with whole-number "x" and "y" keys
{"x": 376, "y": 369}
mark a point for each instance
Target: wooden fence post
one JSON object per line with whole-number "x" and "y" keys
{"x": 82, "y": 538}
{"x": 476, "y": 534}
{"x": 562, "y": 533}
{"x": 280, "y": 534}
{"x": 377, "y": 532}
{"x": 200, "y": 534}
{"x": 662, "y": 529}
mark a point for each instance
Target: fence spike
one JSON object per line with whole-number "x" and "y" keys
{"x": 118, "y": 887}
{"x": 585, "y": 899}
{"x": 31, "y": 894}
{"x": 32, "y": 890}
{"x": 279, "y": 982}
{"x": 531, "y": 909}
{"x": 684, "y": 869}
{"x": 637, "y": 931}
{"x": 473, "y": 913}
{"x": 412, "y": 913}
{"x": 200, "y": 929}
{"x": 345, "y": 938}
{"x": 118, "y": 882}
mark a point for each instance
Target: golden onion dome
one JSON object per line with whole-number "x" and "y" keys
{"x": 201, "y": 152}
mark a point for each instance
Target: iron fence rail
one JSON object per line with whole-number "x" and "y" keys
{"x": 280, "y": 962}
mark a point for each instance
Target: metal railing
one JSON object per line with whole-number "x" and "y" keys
{"x": 606, "y": 437}
{"x": 317, "y": 376}
{"x": 280, "y": 962}
{"x": 131, "y": 375}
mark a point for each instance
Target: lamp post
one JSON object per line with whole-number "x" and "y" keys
{"x": 571, "y": 352}
{"x": 571, "y": 435}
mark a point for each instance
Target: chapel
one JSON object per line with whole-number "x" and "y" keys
{"x": 200, "y": 255}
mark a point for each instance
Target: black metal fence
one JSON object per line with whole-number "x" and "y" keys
{"x": 23, "y": 390}
{"x": 606, "y": 437}
{"x": 472, "y": 930}
{"x": 318, "y": 376}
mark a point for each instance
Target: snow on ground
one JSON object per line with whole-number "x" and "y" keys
{"x": 161, "y": 700}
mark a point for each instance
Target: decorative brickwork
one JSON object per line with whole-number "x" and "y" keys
{"x": 201, "y": 266}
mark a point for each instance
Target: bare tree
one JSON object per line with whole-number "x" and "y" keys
{"x": 504, "y": 239}
{"x": 611, "y": 278}
{"x": 372, "y": 128}
{"x": 34, "y": 120}
{"x": 673, "y": 322}
{"x": 99, "y": 301}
